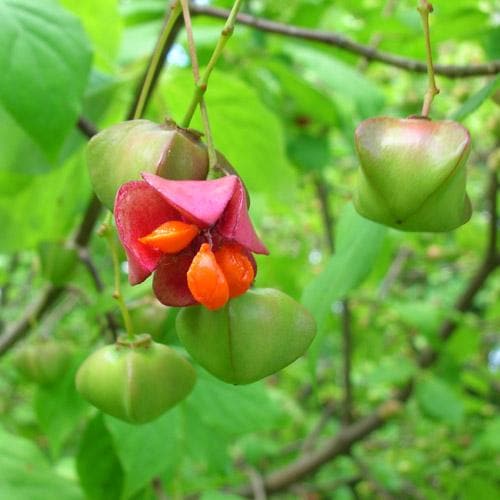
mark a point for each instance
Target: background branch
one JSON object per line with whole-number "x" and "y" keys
{"x": 334, "y": 39}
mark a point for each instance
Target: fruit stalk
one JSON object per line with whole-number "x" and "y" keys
{"x": 106, "y": 231}
{"x": 201, "y": 86}
{"x": 425, "y": 8}
{"x": 174, "y": 12}
{"x": 212, "y": 155}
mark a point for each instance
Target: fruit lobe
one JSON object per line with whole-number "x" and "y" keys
{"x": 253, "y": 336}
{"x": 44, "y": 362}
{"x": 413, "y": 173}
{"x": 171, "y": 237}
{"x": 135, "y": 381}
{"x": 206, "y": 281}
{"x": 121, "y": 152}
{"x": 237, "y": 268}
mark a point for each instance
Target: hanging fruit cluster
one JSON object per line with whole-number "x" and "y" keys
{"x": 196, "y": 237}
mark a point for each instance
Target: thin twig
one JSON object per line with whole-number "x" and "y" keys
{"x": 86, "y": 260}
{"x": 347, "y": 362}
{"x": 16, "y": 331}
{"x": 344, "y": 43}
{"x": 158, "y": 488}
{"x": 310, "y": 441}
{"x": 322, "y": 193}
{"x": 201, "y": 86}
{"x": 425, "y": 8}
{"x": 397, "y": 265}
{"x": 212, "y": 155}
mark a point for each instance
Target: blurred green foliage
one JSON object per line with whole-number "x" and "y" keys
{"x": 283, "y": 111}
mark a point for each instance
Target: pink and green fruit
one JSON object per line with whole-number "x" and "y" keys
{"x": 252, "y": 336}
{"x": 135, "y": 380}
{"x": 121, "y": 152}
{"x": 413, "y": 173}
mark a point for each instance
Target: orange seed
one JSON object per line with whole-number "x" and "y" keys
{"x": 206, "y": 281}
{"x": 171, "y": 237}
{"x": 236, "y": 267}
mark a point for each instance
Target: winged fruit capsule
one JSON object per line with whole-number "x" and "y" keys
{"x": 195, "y": 236}
{"x": 413, "y": 173}
{"x": 123, "y": 151}
{"x": 135, "y": 380}
{"x": 254, "y": 335}
{"x": 44, "y": 361}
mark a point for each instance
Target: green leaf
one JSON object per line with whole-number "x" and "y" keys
{"x": 99, "y": 469}
{"x": 339, "y": 78}
{"x": 358, "y": 244}
{"x": 245, "y": 408}
{"x": 302, "y": 96}
{"x": 46, "y": 208}
{"x": 489, "y": 440}
{"x": 309, "y": 152}
{"x": 103, "y": 25}
{"x": 146, "y": 451}
{"x": 437, "y": 400}
{"x": 248, "y": 134}
{"x": 475, "y": 100}
{"x": 45, "y": 58}
{"x": 26, "y": 474}
{"x": 59, "y": 409}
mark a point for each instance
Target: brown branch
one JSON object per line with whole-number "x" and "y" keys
{"x": 344, "y": 43}
{"x": 349, "y": 435}
{"x": 86, "y": 127}
{"x": 86, "y": 260}
{"x": 309, "y": 442}
{"x": 18, "y": 330}
{"x": 307, "y": 464}
{"x": 322, "y": 193}
{"x": 347, "y": 362}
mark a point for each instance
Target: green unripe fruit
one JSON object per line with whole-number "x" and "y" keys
{"x": 251, "y": 337}
{"x": 44, "y": 361}
{"x": 413, "y": 173}
{"x": 57, "y": 262}
{"x": 136, "y": 380}
{"x": 151, "y": 316}
{"x": 121, "y": 152}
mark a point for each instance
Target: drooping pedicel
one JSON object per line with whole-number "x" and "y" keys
{"x": 413, "y": 173}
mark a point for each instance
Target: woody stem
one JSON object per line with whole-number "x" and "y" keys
{"x": 106, "y": 231}
{"x": 212, "y": 155}
{"x": 425, "y": 8}
{"x": 201, "y": 86}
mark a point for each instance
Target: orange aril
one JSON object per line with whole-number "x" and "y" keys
{"x": 206, "y": 281}
{"x": 171, "y": 237}
{"x": 236, "y": 267}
